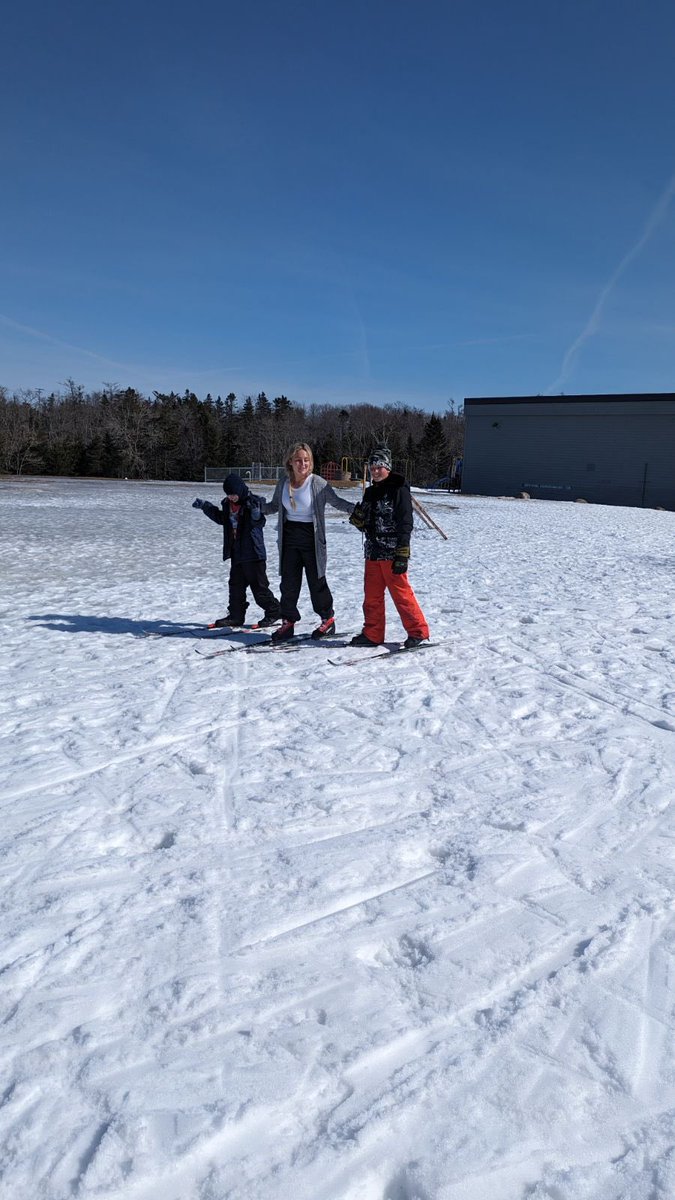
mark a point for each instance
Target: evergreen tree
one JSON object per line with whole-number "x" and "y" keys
{"x": 433, "y": 450}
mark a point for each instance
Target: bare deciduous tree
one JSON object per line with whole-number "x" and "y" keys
{"x": 117, "y": 431}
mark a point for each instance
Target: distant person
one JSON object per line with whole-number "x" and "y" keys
{"x": 457, "y": 474}
{"x": 300, "y": 499}
{"x": 242, "y": 519}
{"x": 385, "y": 515}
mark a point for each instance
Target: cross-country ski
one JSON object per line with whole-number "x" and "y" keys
{"x": 357, "y": 656}
{"x": 299, "y": 642}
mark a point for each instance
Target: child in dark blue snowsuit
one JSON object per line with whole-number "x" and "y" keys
{"x": 242, "y": 519}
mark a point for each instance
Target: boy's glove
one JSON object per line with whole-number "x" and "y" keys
{"x": 400, "y": 564}
{"x": 357, "y": 517}
{"x": 197, "y": 503}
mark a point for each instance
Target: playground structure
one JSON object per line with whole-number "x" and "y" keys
{"x": 344, "y": 473}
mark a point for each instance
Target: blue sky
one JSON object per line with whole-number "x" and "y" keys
{"x": 365, "y": 201}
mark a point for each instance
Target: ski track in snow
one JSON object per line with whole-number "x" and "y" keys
{"x": 275, "y": 928}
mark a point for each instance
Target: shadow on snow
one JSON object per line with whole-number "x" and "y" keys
{"x": 81, "y": 623}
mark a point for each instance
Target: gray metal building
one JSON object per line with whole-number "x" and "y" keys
{"x": 605, "y": 449}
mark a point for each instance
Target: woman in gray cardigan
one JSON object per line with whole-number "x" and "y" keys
{"x": 300, "y": 499}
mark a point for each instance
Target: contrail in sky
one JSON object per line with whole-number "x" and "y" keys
{"x": 47, "y": 337}
{"x": 99, "y": 358}
{"x": 592, "y": 325}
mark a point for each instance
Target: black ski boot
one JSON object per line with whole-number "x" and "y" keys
{"x": 284, "y": 632}
{"x": 267, "y": 622}
{"x": 325, "y": 629}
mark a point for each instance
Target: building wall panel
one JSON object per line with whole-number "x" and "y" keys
{"x": 606, "y": 450}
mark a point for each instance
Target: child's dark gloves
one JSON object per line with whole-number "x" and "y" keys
{"x": 400, "y": 564}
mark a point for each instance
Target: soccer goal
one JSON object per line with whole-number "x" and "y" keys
{"x": 255, "y": 472}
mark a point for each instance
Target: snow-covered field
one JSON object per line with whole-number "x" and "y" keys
{"x": 274, "y": 929}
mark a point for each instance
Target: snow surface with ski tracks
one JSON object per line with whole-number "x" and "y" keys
{"x": 275, "y": 928}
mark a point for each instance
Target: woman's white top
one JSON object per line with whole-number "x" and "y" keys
{"x": 297, "y": 501}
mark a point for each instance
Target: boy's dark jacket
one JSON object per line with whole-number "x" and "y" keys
{"x": 388, "y": 514}
{"x": 249, "y": 543}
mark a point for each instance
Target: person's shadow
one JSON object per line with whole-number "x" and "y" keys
{"x": 80, "y": 623}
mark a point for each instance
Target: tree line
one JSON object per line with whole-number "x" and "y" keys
{"x": 116, "y": 432}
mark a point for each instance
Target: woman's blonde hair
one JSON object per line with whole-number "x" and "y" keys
{"x": 291, "y": 454}
{"x": 289, "y": 468}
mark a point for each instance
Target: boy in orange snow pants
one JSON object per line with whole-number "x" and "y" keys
{"x": 386, "y": 518}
